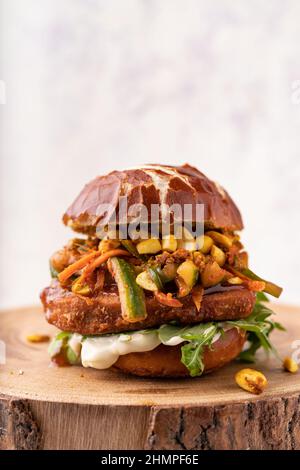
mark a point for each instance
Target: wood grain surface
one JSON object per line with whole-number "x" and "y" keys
{"x": 76, "y": 408}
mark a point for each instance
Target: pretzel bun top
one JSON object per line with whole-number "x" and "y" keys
{"x": 152, "y": 184}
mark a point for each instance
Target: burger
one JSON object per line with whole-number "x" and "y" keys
{"x": 139, "y": 296}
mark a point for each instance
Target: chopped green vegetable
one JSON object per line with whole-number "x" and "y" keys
{"x": 145, "y": 281}
{"x": 270, "y": 288}
{"x": 131, "y": 248}
{"x": 132, "y": 296}
{"x": 189, "y": 272}
{"x": 154, "y": 273}
{"x": 168, "y": 272}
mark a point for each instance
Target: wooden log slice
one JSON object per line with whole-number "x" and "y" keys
{"x": 75, "y": 408}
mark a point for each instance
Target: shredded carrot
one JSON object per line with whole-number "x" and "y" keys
{"x": 101, "y": 259}
{"x": 168, "y": 300}
{"x": 88, "y": 263}
{"x": 79, "y": 264}
{"x": 197, "y": 295}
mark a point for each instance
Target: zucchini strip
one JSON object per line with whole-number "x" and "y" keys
{"x": 132, "y": 297}
{"x": 270, "y": 288}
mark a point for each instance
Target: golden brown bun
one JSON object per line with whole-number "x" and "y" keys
{"x": 102, "y": 313}
{"x": 152, "y": 184}
{"x": 165, "y": 361}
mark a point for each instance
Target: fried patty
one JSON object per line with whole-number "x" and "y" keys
{"x": 165, "y": 361}
{"x": 102, "y": 313}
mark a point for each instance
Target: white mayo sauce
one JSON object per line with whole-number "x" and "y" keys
{"x": 103, "y": 352}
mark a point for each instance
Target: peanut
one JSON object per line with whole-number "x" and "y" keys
{"x": 290, "y": 365}
{"x": 251, "y": 380}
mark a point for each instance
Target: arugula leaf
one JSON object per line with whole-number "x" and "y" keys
{"x": 262, "y": 297}
{"x": 259, "y": 326}
{"x": 60, "y": 346}
{"x": 192, "y": 358}
{"x": 166, "y": 332}
{"x": 200, "y": 332}
{"x": 248, "y": 355}
{"x": 279, "y": 326}
{"x": 192, "y": 353}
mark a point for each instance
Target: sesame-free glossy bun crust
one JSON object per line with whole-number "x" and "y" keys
{"x": 165, "y": 361}
{"x": 152, "y": 184}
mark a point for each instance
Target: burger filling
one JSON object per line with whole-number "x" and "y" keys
{"x": 169, "y": 269}
{"x": 101, "y": 352}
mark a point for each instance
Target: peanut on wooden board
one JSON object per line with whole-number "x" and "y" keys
{"x": 290, "y": 365}
{"x": 251, "y": 380}
{"x": 37, "y": 338}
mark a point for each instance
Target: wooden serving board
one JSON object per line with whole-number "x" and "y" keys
{"x": 76, "y": 408}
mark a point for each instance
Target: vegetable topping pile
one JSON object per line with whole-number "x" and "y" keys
{"x": 167, "y": 268}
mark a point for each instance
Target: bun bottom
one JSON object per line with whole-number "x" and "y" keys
{"x": 165, "y": 361}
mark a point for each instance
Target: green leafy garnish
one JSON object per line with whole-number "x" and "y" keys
{"x": 192, "y": 358}
{"x": 197, "y": 337}
{"x": 60, "y": 347}
{"x": 192, "y": 352}
{"x": 166, "y": 332}
{"x": 258, "y": 326}
{"x": 261, "y": 297}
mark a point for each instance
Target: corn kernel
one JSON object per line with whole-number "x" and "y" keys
{"x": 251, "y": 380}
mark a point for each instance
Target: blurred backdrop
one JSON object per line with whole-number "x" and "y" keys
{"x": 97, "y": 85}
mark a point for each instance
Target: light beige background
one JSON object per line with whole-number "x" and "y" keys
{"x": 98, "y": 85}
